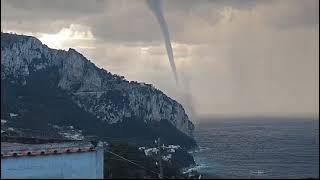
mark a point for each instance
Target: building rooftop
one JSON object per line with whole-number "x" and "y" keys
{"x": 16, "y": 149}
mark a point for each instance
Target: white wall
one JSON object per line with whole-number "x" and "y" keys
{"x": 73, "y": 165}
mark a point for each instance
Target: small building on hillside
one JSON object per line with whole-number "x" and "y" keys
{"x": 67, "y": 160}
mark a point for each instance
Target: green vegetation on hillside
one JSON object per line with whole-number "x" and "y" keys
{"x": 116, "y": 167}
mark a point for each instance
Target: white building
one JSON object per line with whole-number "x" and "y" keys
{"x": 76, "y": 160}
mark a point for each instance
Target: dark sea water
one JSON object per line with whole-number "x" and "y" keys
{"x": 258, "y": 148}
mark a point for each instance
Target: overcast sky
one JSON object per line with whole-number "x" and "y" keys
{"x": 234, "y": 57}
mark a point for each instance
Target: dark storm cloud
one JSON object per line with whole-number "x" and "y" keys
{"x": 119, "y": 21}
{"x": 124, "y": 21}
{"x": 47, "y": 16}
{"x": 58, "y": 7}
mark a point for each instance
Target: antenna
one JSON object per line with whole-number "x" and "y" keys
{"x": 160, "y": 159}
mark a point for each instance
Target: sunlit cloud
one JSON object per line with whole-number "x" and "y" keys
{"x": 65, "y": 35}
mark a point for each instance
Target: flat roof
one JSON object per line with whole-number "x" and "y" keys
{"x": 12, "y": 149}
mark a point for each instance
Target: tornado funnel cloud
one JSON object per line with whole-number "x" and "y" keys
{"x": 155, "y": 7}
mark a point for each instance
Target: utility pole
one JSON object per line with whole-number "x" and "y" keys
{"x": 160, "y": 159}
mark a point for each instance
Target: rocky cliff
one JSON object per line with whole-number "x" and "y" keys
{"x": 37, "y": 80}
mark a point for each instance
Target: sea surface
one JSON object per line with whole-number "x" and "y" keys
{"x": 258, "y": 148}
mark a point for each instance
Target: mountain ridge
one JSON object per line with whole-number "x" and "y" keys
{"x": 32, "y": 68}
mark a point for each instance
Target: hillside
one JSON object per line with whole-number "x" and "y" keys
{"x": 49, "y": 89}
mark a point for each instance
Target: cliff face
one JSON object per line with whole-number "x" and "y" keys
{"x": 26, "y": 63}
